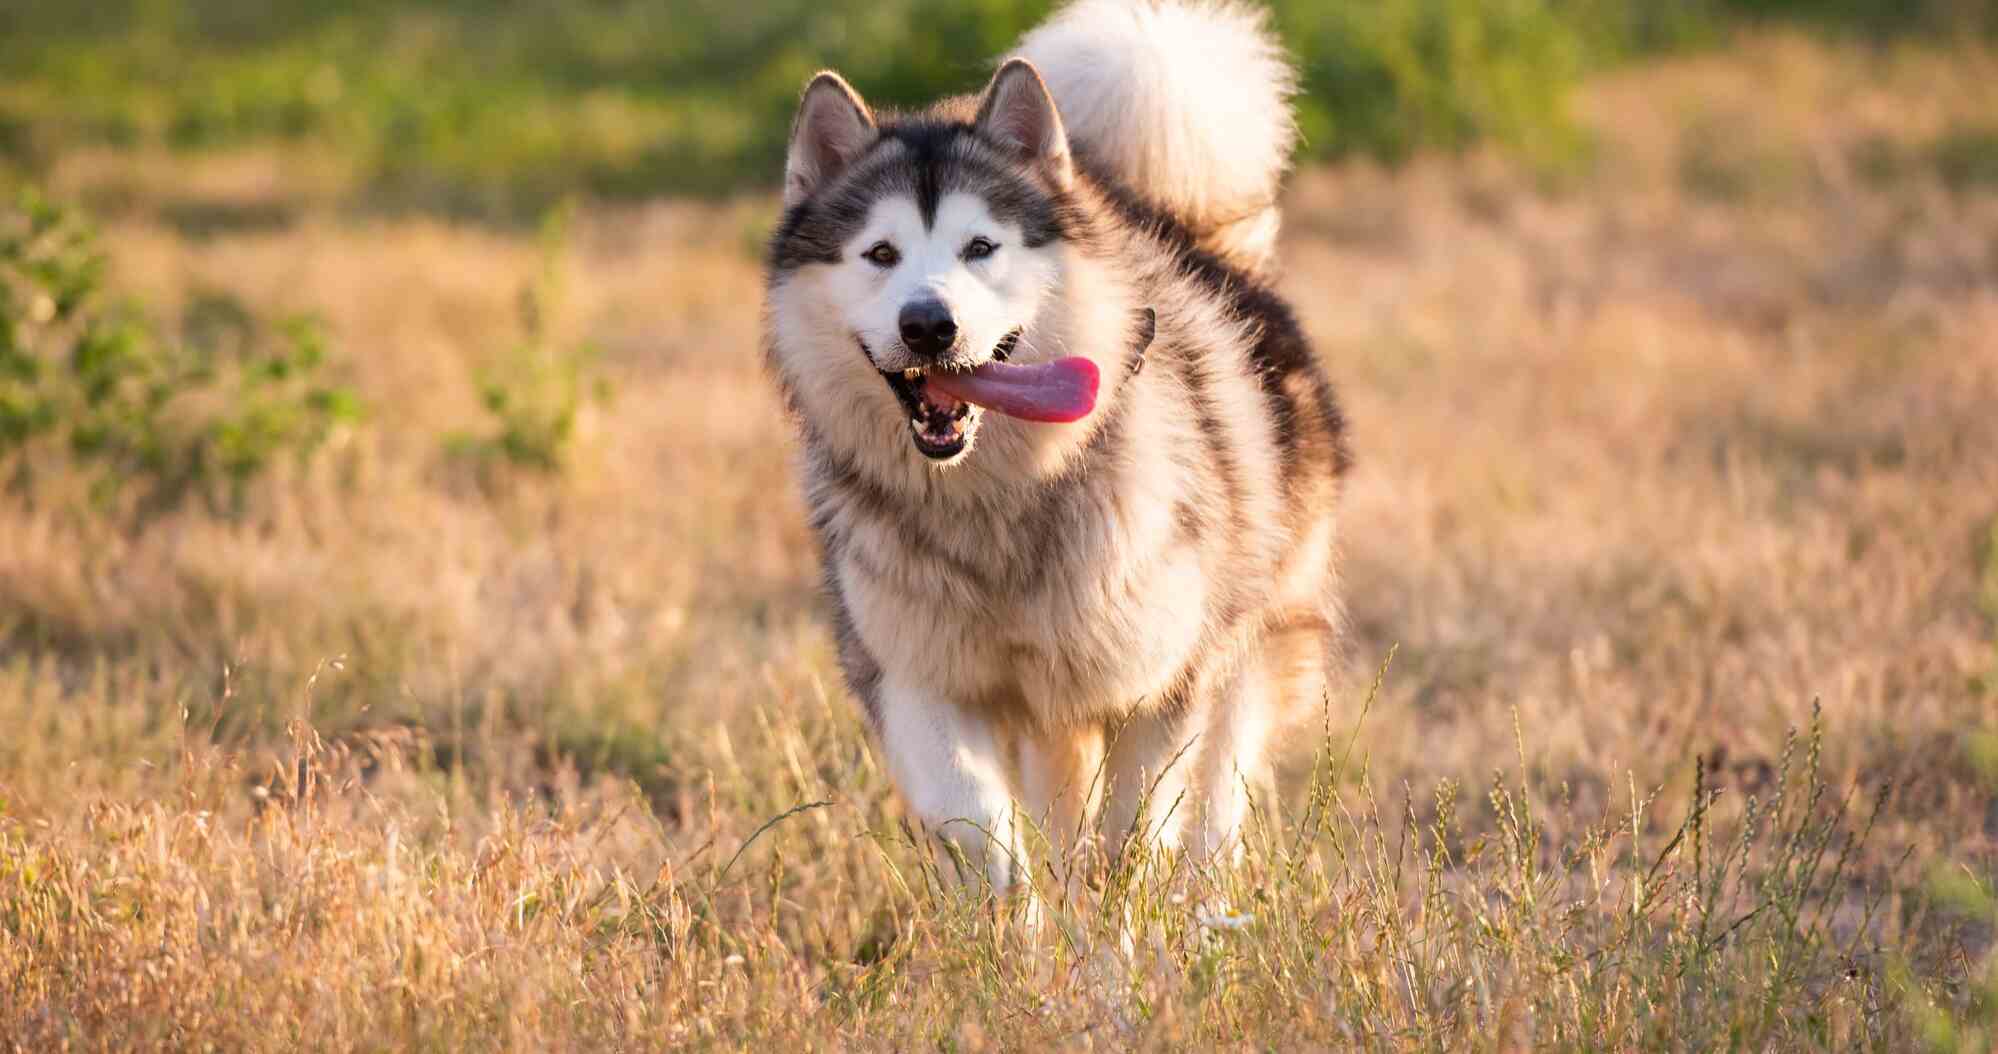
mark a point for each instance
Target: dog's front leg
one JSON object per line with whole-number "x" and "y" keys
{"x": 950, "y": 765}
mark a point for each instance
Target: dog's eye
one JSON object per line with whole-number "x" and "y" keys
{"x": 979, "y": 249}
{"x": 882, "y": 255}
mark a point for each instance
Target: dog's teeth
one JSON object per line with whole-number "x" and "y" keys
{"x": 911, "y": 373}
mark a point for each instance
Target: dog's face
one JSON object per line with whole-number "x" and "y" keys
{"x": 926, "y": 245}
{"x": 948, "y": 292}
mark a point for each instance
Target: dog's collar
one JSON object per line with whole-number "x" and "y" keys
{"x": 1148, "y": 330}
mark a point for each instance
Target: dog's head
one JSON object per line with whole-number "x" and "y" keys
{"x": 916, "y": 247}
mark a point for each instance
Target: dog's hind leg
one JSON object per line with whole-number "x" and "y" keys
{"x": 1188, "y": 775}
{"x": 1263, "y": 694}
{"x": 1061, "y": 773}
{"x": 1231, "y": 761}
{"x": 1147, "y": 774}
{"x": 951, "y": 765}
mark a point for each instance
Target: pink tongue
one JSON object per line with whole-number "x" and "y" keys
{"x": 1060, "y": 391}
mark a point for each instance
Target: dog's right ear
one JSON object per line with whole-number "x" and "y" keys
{"x": 832, "y": 128}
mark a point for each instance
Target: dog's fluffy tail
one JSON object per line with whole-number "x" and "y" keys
{"x": 1187, "y": 101}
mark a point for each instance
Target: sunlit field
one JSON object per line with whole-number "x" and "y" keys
{"x": 501, "y": 714}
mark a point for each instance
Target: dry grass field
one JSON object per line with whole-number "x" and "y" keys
{"x": 424, "y": 751}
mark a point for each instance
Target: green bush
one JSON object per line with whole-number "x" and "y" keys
{"x": 1874, "y": 17}
{"x": 93, "y": 386}
{"x": 1396, "y": 76}
{"x": 501, "y": 108}
{"x": 536, "y": 389}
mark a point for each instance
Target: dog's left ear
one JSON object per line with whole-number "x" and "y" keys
{"x": 1018, "y": 113}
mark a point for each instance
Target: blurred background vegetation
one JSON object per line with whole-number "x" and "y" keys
{"x": 498, "y": 108}
{"x": 349, "y": 399}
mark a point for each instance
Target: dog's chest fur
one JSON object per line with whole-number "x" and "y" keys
{"x": 1093, "y": 619}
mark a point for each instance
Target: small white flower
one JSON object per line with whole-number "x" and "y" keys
{"x": 1222, "y": 920}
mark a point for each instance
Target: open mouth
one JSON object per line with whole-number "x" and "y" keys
{"x": 941, "y": 424}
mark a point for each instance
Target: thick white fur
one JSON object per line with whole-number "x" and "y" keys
{"x": 1188, "y": 102}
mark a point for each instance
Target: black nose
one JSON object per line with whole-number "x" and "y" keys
{"x": 927, "y": 328}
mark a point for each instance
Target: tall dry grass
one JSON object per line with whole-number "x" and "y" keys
{"x": 1651, "y": 459}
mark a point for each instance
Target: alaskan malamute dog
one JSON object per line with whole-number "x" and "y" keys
{"x": 1071, "y": 461}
